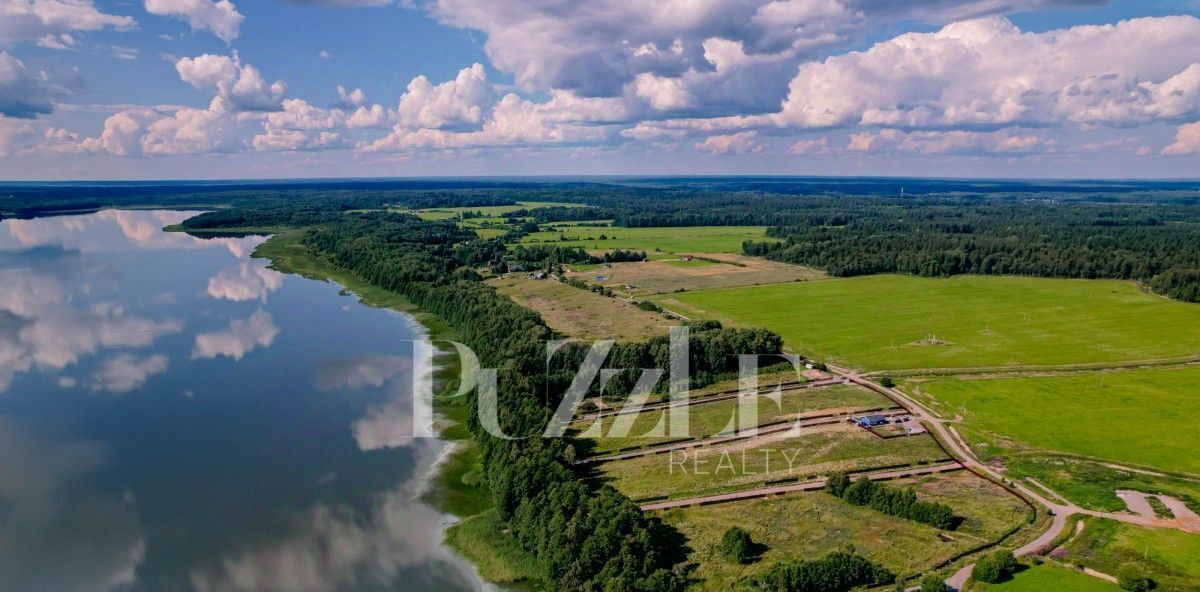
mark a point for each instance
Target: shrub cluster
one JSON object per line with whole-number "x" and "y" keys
{"x": 902, "y": 503}
{"x": 995, "y": 568}
{"x": 836, "y": 572}
{"x": 737, "y": 546}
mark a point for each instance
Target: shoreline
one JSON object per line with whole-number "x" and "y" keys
{"x": 443, "y": 485}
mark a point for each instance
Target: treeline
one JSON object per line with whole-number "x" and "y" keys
{"x": 549, "y": 257}
{"x": 1158, "y": 245}
{"x": 836, "y": 572}
{"x": 901, "y": 503}
{"x": 551, "y": 214}
{"x": 712, "y": 356}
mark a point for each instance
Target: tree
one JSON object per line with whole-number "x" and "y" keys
{"x": 737, "y": 546}
{"x": 861, "y": 491}
{"x": 887, "y": 382}
{"x": 934, "y": 583}
{"x": 995, "y": 568}
{"x": 985, "y": 571}
{"x": 1005, "y": 562}
{"x": 837, "y": 484}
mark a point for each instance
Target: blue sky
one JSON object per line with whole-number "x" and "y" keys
{"x": 94, "y": 89}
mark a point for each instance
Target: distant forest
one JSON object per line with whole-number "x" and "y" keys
{"x": 1143, "y": 231}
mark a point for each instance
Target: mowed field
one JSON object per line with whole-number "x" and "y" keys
{"x": 715, "y": 270}
{"x": 1045, "y": 578}
{"x": 657, "y": 242}
{"x": 809, "y": 525}
{"x": 580, "y": 313}
{"x": 892, "y": 322}
{"x": 1082, "y": 413}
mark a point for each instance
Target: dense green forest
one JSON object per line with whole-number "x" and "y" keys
{"x": 1157, "y": 243}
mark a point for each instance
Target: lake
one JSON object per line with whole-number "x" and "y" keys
{"x": 174, "y": 416}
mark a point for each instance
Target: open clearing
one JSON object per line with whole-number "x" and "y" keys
{"x": 1172, "y": 557}
{"x": 808, "y": 525}
{"x": 580, "y": 313}
{"x": 708, "y": 419}
{"x": 657, "y": 242}
{"x": 747, "y": 464}
{"x": 488, "y": 211}
{"x": 709, "y": 270}
{"x": 1045, "y": 578}
{"x": 902, "y": 322}
{"x": 1081, "y": 413}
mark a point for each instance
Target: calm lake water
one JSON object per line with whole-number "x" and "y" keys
{"x": 174, "y": 416}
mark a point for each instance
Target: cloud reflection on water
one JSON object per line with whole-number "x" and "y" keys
{"x": 239, "y": 338}
{"x": 58, "y": 534}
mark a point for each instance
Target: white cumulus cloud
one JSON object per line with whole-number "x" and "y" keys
{"x": 47, "y": 21}
{"x": 220, "y": 17}
{"x": 242, "y": 85}
{"x": 1187, "y": 140}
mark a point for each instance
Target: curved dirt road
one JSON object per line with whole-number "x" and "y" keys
{"x": 1061, "y": 512}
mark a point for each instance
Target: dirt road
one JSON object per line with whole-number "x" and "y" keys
{"x": 1061, "y": 512}
{"x": 802, "y": 423}
{"x": 813, "y": 485}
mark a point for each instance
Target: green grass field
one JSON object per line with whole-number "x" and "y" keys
{"x": 902, "y": 322}
{"x": 655, "y": 241}
{"x": 490, "y": 232}
{"x": 749, "y": 464}
{"x": 1171, "y": 557}
{"x": 808, "y": 525}
{"x": 1080, "y": 413}
{"x": 708, "y": 419}
{"x": 1044, "y": 578}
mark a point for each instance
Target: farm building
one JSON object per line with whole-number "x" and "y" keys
{"x": 870, "y": 421}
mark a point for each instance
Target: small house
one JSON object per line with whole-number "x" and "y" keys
{"x": 870, "y": 421}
